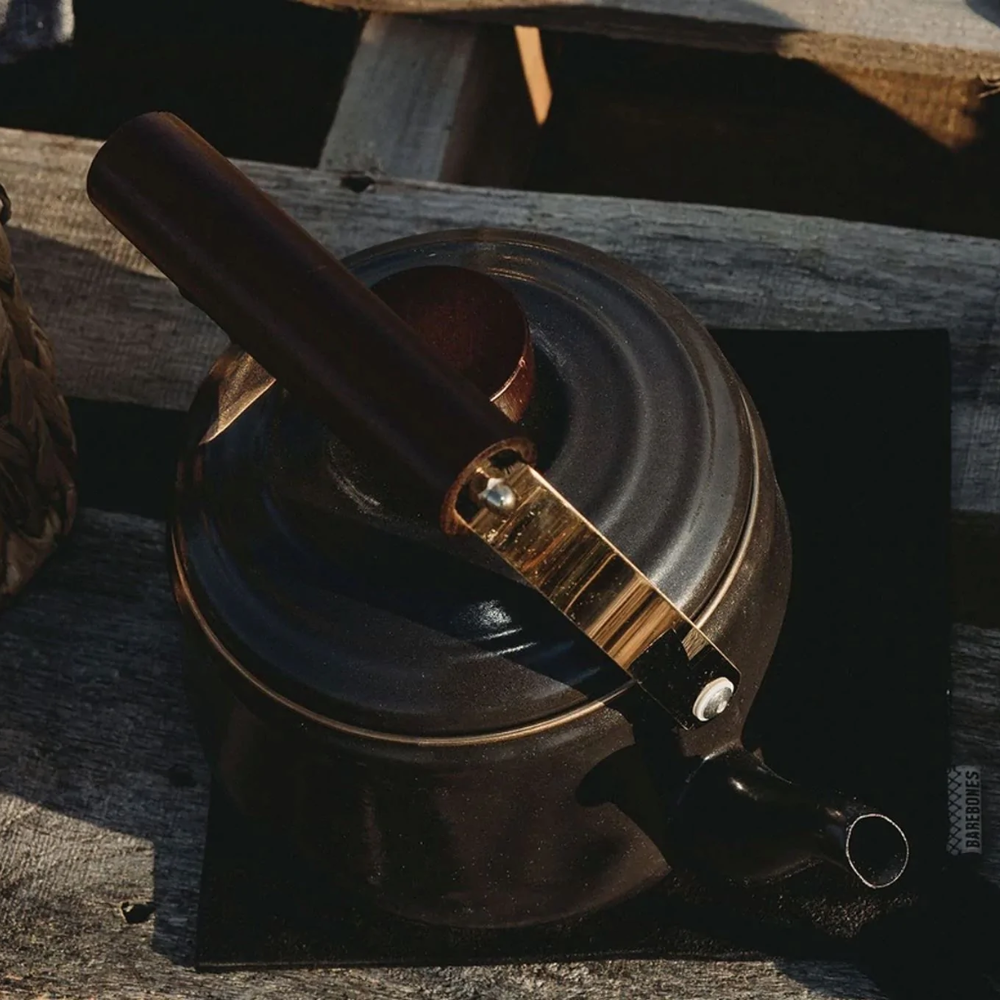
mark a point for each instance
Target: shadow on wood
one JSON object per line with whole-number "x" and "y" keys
{"x": 97, "y": 748}
{"x": 866, "y": 139}
{"x": 975, "y": 562}
{"x": 989, "y": 9}
{"x": 259, "y": 79}
{"x": 99, "y": 761}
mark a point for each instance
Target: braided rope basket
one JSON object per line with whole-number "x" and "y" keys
{"x": 37, "y": 447}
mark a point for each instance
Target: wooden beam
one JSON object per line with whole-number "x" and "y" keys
{"x": 122, "y": 332}
{"x": 433, "y": 100}
{"x": 972, "y": 26}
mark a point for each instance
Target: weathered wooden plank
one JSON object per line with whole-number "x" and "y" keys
{"x": 103, "y": 799}
{"x": 837, "y": 53}
{"x": 420, "y": 97}
{"x": 398, "y": 106}
{"x": 909, "y": 147}
{"x": 121, "y": 332}
{"x": 907, "y": 25}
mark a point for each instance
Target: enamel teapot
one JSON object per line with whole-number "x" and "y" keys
{"x": 481, "y": 560}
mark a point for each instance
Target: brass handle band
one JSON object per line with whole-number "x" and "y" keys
{"x": 555, "y": 549}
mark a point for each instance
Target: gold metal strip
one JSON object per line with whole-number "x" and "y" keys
{"x": 239, "y": 382}
{"x": 549, "y": 543}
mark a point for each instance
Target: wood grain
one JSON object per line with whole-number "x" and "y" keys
{"x": 97, "y": 297}
{"x": 906, "y": 25}
{"x": 433, "y": 100}
{"x": 398, "y": 106}
{"x": 103, "y": 801}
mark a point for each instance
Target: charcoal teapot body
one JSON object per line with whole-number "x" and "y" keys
{"x": 399, "y": 707}
{"x": 487, "y": 658}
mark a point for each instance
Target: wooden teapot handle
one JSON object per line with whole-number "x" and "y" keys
{"x": 286, "y": 300}
{"x": 346, "y": 355}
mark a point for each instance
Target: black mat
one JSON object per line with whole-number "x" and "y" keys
{"x": 856, "y": 697}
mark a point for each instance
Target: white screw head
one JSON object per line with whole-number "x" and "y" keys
{"x": 713, "y": 699}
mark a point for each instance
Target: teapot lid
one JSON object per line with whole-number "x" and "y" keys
{"x": 304, "y": 573}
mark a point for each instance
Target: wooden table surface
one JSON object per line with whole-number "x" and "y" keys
{"x": 103, "y": 792}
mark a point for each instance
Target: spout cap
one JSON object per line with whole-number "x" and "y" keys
{"x": 738, "y": 819}
{"x": 876, "y": 850}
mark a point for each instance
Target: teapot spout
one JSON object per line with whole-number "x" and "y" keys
{"x": 737, "y": 817}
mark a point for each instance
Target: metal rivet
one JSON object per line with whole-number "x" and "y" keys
{"x": 498, "y": 496}
{"x": 713, "y": 699}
